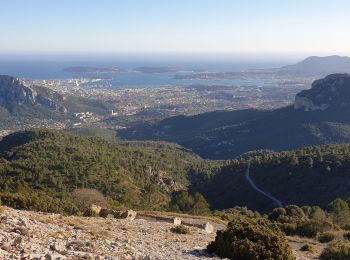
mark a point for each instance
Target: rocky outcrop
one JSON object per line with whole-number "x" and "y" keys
{"x": 331, "y": 92}
{"x": 14, "y": 91}
{"x": 160, "y": 179}
{"x": 110, "y": 213}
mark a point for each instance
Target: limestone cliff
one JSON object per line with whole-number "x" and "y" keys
{"x": 331, "y": 92}
{"x": 16, "y": 92}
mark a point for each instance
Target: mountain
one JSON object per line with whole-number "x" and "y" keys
{"x": 41, "y": 169}
{"x": 332, "y": 92}
{"x": 15, "y": 92}
{"x": 319, "y": 66}
{"x": 22, "y": 98}
{"x": 53, "y": 164}
{"x": 319, "y": 116}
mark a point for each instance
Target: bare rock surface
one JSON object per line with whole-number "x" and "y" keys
{"x": 34, "y": 235}
{"x": 51, "y": 236}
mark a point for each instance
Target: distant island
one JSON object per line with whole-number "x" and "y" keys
{"x": 85, "y": 69}
{"x": 163, "y": 69}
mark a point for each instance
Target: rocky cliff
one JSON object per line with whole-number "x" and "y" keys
{"x": 16, "y": 92}
{"x": 331, "y": 92}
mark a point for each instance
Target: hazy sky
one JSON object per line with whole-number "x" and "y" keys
{"x": 176, "y": 26}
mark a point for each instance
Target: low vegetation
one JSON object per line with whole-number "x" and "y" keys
{"x": 307, "y": 248}
{"x": 337, "y": 250}
{"x": 247, "y": 238}
{"x": 326, "y": 237}
{"x": 181, "y": 229}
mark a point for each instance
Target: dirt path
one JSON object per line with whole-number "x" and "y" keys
{"x": 251, "y": 182}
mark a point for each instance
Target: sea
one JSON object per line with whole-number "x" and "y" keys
{"x": 48, "y": 69}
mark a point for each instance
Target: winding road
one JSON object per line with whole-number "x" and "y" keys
{"x": 251, "y": 182}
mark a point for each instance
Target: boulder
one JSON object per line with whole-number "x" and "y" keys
{"x": 95, "y": 208}
{"x": 127, "y": 214}
{"x": 208, "y": 227}
{"x": 177, "y": 221}
{"x": 105, "y": 212}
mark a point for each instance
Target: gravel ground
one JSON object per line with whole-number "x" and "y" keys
{"x": 31, "y": 235}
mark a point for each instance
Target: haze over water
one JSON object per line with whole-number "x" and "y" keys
{"x": 53, "y": 68}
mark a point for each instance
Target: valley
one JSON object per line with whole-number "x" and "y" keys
{"x": 213, "y": 156}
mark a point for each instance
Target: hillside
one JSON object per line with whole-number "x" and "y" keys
{"x": 310, "y": 176}
{"x": 42, "y": 169}
{"x": 319, "y": 116}
{"x": 318, "y": 66}
{"x": 54, "y": 164}
{"x": 21, "y": 98}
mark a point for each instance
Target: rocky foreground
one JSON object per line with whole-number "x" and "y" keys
{"x": 31, "y": 235}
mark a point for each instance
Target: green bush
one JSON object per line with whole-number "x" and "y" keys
{"x": 340, "y": 212}
{"x": 346, "y": 235}
{"x": 89, "y": 213}
{"x": 311, "y": 228}
{"x": 326, "y": 237}
{"x": 181, "y": 229}
{"x": 336, "y": 250}
{"x": 191, "y": 204}
{"x": 251, "y": 239}
{"x": 307, "y": 248}
{"x": 38, "y": 202}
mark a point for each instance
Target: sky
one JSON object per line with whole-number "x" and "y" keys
{"x": 211, "y": 27}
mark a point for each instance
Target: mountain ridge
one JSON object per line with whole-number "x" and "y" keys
{"x": 314, "y": 119}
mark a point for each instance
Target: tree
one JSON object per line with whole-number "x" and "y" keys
{"x": 200, "y": 206}
{"x": 339, "y": 211}
{"x": 187, "y": 203}
{"x": 84, "y": 198}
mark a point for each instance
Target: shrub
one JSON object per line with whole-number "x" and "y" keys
{"x": 90, "y": 213}
{"x": 346, "y": 235}
{"x": 311, "y": 228}
{"x": 250, "y": 239}
{"x": 84, "y": 198}
{"x": 340, "y": 212}
{"x": 336, "y": 250}
{"x": 307, "y": 248}
{"x": 326, "y": 237}
{"x": 191, "y": 204}
{"x": 181, "y": 229}
{"x": 38, "y": 202}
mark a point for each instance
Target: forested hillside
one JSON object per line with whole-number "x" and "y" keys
{"x": 49, "y": 165}
{"x": 310, "y": 176}
{"x": 137, "y": 175}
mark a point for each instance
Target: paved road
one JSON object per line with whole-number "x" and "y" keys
{"x": 251, "y": 182}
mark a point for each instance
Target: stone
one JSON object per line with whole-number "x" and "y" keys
{"x": 105, "y": 212}
{"x": 177, "y": 221}
{"x": 96, "y": 209}
{"x": 6, "y": 248}
{"x": 208, "y": 227}
{"x": 130, "y": 214}
{"x": 109, "y": 213}
{"x": 17, "y": 240}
